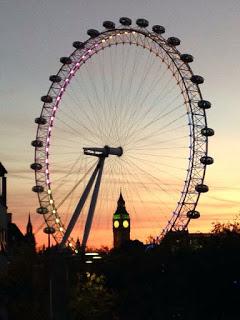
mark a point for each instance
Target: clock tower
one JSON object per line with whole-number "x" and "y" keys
{"x": 121, "y": 224}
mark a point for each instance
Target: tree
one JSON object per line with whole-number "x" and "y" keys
{"x": 92, "y": 300}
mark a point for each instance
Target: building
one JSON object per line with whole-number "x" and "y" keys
{"x": 16, "y": 238}
{"x": 121, "y": 224}
{"x": 10, "y": 235}
{"x": 3, "y": 208}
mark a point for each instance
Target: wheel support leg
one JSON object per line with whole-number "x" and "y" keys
{"x": 92, "y": 204}
{"x": 79, "y": 207}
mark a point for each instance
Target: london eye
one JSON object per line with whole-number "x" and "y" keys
{"x": 123, "y": 112}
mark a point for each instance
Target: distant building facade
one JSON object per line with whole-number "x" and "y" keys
{"x": 121, "y": 224}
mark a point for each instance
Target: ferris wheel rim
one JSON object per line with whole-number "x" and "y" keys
{"x": 184, "y": 73}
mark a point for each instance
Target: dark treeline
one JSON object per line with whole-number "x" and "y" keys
{"x": 185, "y": 277}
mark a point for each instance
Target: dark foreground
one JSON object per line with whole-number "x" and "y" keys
{"x": 183, "y": 278}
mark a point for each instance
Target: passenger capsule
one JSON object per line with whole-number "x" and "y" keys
{"x": 204, "y": 104}
{"x": 42, "y": 210}
{"x": 201, "y": 188}
{"x": 41, "y": 120}
{"x": 206, "y": 160}
{"x": 78, "y": 45}
{"x": 158, "y": 29}
{"x": 37, "y": 189}
{"x": 193, "y": 214}
{"x": 36, "y": 166}
{"x": 173, "y": 41}
{"x": 187, "y": 58}
{"x": 37, "y": 143}
{"x": 46, "y": 99}
{"x": 55, "y": 78}
{"x": 109, "y": 25}
{"x": 142, "y": 23}
{"x": 197, "y": 79}
{"x": 207, "y": 132}
{"x": 65, "y": 60}
{"x": 125, "y": 21}
{"x": 49, "y": 230}
{"x": 93, "y": 33}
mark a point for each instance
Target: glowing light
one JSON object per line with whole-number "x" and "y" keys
{"x": 55, "y": 108}
{"x": 91, "y": 254}
{"x": 103, "y": 40}
{"x": 57, "y": 220}
{"x": 62, "y": 89}
{"x": 125, "y": 224}
{"x": 97, "y": 257}
{"x": 83, "y": 57}
{"x": 61, "y": 229}
{"x": 48, "y": 181}
{"x": 70, "y": 244}
{"x": 49, "y": 191}
{"x": 72, "y": 72}
{"x": 58, "y": 98}
{"x": 76, "y": 251}
{"x": 52, "y": 118}
{"x": 88, "y": 261}
{"x": 126, "y": 32}
{"x": 51, "y": 201}
{"x": 133, "y": 32}
{"x": 67, "y": 80}
{"x": 46, "y": 160}
{"x": 47, "y": 171}
{"x": 48, "y": 139}
{"x": 89, "y": 51}
{"x": 77, "y": 64}
{"x": 54, "y": 211}
{"x": 116, "y": 224}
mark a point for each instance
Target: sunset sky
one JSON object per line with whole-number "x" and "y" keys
{"x": 35, "y": 34}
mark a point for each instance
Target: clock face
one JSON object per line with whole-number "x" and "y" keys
{"x": 116, "y": 224}
{"x": 125, "y": 224}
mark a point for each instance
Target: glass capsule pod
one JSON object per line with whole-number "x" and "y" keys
{"x": 125, "y": 21}
{"x": 65, "y": 60}
{"x": 37, "y": 189}
{"x": 158, "y": 29}
{"x": 142, "y": 23}
{"x": 36, "y": 166}
{"x": 173, "y": 41}
{"x": 201, "y": 188}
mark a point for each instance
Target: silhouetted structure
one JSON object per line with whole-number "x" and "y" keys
{"x": 3, "y": 208}
{"x": 15, "y": 237}
{"x": 29, "y": 236}
{"x": 121, "y": 224}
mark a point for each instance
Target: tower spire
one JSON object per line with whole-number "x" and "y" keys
{"x": 29, "y": 236}
{"x": 29, "y": 225}
{"x": 121, "y": 201}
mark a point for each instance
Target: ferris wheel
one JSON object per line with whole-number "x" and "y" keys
{"x": 124, "y": 112}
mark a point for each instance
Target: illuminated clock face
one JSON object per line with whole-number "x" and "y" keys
{"x": 116, "y": 224}
{"x": 125, "y": 224}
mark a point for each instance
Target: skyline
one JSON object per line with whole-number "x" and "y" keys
{"x": 33, "y": 54}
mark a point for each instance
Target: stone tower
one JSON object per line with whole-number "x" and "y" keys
{"x": 121, "y": 224}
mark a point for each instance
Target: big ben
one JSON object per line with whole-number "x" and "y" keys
{"x": 121, "y": 224}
